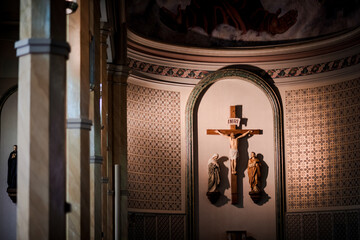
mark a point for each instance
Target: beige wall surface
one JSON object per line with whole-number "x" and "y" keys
{"x": 259, "y": 220}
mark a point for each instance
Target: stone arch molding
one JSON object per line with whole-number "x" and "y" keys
{"x": 5, "y": 97}
{"x": 3, "y": 100}
{"x": 237, "y": 73}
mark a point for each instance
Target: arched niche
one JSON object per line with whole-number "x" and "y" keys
{"x": 8, "y": 138}
{"x": 234, "y": 75}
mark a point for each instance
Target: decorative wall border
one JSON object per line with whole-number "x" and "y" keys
{"x": 190, "y": 113}
{"x": 165, "y": 70}
{"x": 274, "y": 73}
{"x": 315, "y": 68}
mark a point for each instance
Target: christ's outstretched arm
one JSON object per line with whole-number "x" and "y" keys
{"x": 218, "y": 132}
{"x": 243, "y": 135}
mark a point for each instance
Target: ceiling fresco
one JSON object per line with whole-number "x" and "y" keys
{"x": 235, "y": 23}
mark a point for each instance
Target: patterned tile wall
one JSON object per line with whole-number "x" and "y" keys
{"x": 323, "y": 146}
{"x": 144, "y": 226}
{"x": 336, "y": 225}
{"x": 154, "y": 161}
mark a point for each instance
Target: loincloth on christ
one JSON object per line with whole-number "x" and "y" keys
{"x": 233, "y": 154}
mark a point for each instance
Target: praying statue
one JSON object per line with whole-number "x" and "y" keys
{"x": 233, "y": 154}
{"x": 254, "y": 173}
{"x": 213, "y": 193}
{"x": 214, "y": 173}
{"x": 12, "y": 169}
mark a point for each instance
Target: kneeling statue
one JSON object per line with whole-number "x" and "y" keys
{"x": 213, "y": 193}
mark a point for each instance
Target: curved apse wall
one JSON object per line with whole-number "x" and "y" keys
{"x": 154, "y": 164}
{"x": 154, "y": 161}
{"x": 323, "y": 161}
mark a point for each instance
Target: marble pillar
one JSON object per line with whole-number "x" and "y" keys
{"x": 95, "y": 166}
{"x": 118, "y": 84}
{"x": 95, "y": 134}
{"x": 110, "y": 165}
{"x": 118, "y": 74}
{"x": 104, "y": 32}
{"x": 78, "y": 124}
{"x": 42, "y": 53}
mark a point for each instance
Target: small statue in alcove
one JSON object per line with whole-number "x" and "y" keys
{"x": 254, "y": 173}
{"x": 214, "y": 179}
{"x": 12, "y": 168}
{"x": 12, "y": 174}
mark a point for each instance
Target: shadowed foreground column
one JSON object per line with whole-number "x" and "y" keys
{"x": 42, "y": 53}
{"x": 104, "y": 32}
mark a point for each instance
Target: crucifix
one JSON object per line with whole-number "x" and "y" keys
{"x": 231, "y": 134}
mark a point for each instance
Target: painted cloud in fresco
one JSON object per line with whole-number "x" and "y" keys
{"x": 308, "y": 19}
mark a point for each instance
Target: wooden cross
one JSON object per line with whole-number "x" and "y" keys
{"x": 233, "y": 129}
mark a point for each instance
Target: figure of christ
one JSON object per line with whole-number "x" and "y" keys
{"x": 233, "y": 148}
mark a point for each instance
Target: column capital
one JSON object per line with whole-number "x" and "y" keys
{"x": 104, "y": 180}
{"x": 105, "y": 31}
{"x": 96, "y": 159}
{"x": 42, "y": 45}
{"x": 118, "y": 70}
{"x": 105, "y": 28}
{"x": 78, "y": 123}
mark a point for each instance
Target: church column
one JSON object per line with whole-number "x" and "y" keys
{"x": 118, "y": 85}
{"x": 42, "y": 53}
{"x": 78, "y": 124}
{"x": 104, "y": 32}
{"x": 95, "y": 134}
{"x": 110, "y": 169}
{"x": 118, "y": 73}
